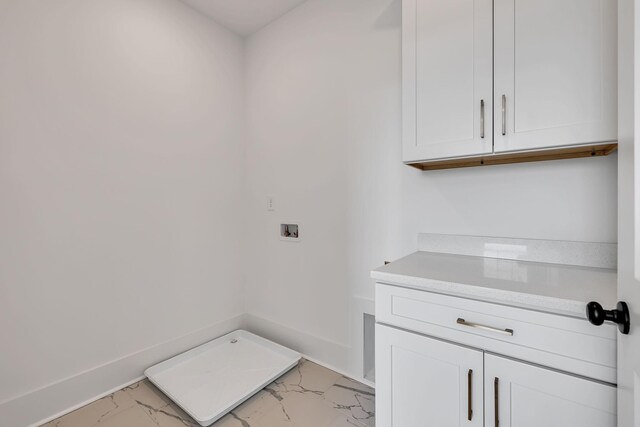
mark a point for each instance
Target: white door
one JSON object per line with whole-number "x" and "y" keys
{"x": 422, "y": 381}
{"x": 555, "y": 73}
{"x": 629, "y": 215}
{"x": 524, "y": 395}
{"x": 447, "y": 78}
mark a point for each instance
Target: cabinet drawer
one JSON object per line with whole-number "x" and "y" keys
{"x": 560, "y": 342}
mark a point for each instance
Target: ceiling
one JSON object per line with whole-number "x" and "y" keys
{"x": 244, "y": 17}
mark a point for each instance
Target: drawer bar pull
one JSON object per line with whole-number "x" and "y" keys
{"x": 496, "y": 409}
{"x": 482, "y": 118}
{"x": 504, "y": 114}
{"x": 463, "y": 322}
{"x": 469, "y": 395}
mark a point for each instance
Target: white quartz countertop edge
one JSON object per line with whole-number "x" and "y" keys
{"x": 529, "y": 301}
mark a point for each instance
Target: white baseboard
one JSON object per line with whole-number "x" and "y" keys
{"x": 341, "y": 372}
{"x": 332, "y": 354}
{"x": 54, "y": 400}
{"x": 86, "y": 402}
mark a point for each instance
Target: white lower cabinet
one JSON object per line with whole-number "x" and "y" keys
{"x": 524, "y": 395}
{"x": 422, "y": 382}
{"x": 428, "y": 382}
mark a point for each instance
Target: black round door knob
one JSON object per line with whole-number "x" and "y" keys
{"x": 598, "y": 315}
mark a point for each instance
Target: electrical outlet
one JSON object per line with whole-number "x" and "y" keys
{"x": 271, "y": 203}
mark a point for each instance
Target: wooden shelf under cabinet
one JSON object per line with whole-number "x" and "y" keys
{"x": 518, "y": 157}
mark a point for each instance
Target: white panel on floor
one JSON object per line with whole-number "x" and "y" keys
{"x": 210, "y": 380}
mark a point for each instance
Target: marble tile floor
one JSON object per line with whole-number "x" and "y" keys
{"x": 309, "y": 395}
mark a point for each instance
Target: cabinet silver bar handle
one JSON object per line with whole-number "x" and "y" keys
{"x": 496, "y": 406}
{"x": 469, "y": 395}
{"x": 463, "y": 322}
{"x": 504, "y": 114}
{"x": 482, "y": 118}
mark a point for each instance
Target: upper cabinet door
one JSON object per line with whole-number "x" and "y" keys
{"x": 447, "y": 78}
{"x": 555, "y": 73}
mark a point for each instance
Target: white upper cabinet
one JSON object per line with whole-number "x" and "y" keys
{"x": 508, "y": 80}
{"x": 447, "y": 78}
{"x": 555, "y": 73}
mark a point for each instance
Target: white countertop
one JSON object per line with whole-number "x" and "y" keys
{"x": 555, "y": 288}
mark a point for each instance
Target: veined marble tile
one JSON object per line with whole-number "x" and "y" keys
{"x": 96, "y": 412}
{"x": 299, "y": 409}
{"x": 344, "y": 421}
{"x": 353, "y": 399}
{"x": 307, "y": 377}
{"x": 147, "y": 393}
{"x": 257, "y": 406}
{"x": 132, "y": 417}
{"x": 309, "y": 395}
{"x": 169, "y": 416}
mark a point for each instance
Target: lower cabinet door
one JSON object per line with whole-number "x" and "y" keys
{"x": 521, "y": 395}
{"x": 424, "y": 382}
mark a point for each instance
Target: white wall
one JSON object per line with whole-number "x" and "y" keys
{"x": 122, "y": 197}
{"x": 121, "y": 179}
{"x": 323, "y": 100}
